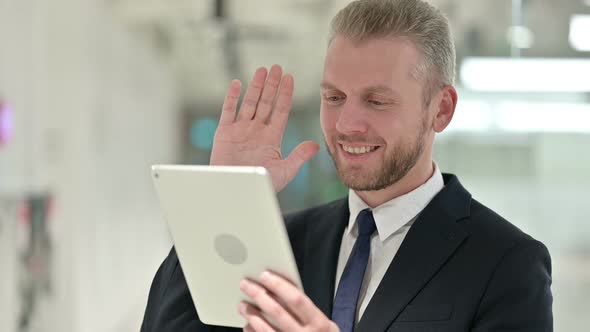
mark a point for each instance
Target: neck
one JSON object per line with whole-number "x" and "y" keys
{"x": 417, "y": 176}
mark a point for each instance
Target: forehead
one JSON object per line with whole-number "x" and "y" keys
{"x": 372, "y": 61}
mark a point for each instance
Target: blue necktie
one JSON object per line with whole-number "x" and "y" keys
{"x": 345, "y": 302}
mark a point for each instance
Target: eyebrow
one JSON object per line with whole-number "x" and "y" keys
{"x": 380, "y": 88}
{"x": 326, "y": 85}
{"x": 373, "y": 88}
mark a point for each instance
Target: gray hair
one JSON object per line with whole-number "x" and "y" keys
{"x": 417, "y": 20}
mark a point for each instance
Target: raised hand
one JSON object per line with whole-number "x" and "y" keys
{"x": 254, "y": 136}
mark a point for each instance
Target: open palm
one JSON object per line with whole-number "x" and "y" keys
{"x": 254, "y": 136}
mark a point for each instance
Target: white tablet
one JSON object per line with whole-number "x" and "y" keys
{"x": 226, "y": 224}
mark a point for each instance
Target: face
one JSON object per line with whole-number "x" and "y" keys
{"x": 373, "y": 117}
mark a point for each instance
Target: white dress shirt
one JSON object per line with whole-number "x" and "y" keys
{"x": 393, "y": 219}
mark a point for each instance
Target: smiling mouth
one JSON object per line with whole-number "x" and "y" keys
{"x": 357, "y": 150}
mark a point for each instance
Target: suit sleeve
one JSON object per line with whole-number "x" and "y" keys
{"x": 518, "y": 296}
{"x": 170, "y": 306}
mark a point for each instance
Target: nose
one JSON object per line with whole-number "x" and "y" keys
{"x": 352, "y": 120}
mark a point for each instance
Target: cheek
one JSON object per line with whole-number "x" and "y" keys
{"x": 392, "y": 129}
{"x": 328, "y": 121}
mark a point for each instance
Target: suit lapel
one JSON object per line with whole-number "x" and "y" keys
{"x": 428, "y": 245}
{"x": 323, "y": 240}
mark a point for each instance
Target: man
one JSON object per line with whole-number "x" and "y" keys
{"x": 409, "y": 249}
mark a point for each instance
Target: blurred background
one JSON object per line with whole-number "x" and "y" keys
{"x": 92, "y": 92}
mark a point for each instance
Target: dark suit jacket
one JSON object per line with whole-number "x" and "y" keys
{"x": 461, "y": 267}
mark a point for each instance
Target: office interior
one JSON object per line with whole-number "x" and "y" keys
{"x": 93, "y": 92}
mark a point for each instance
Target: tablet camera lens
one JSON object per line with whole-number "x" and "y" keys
{"x": 230, "y": 249}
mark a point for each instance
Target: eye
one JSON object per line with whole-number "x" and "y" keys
{"x": 333, "y": 99}
{"x": 376, "y": 102}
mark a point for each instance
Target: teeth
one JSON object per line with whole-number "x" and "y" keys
{"x": 358, "y": 150}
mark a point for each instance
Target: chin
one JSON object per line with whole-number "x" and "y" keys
{"x": 363, "y": 179}
{"x": 358, "y": 180}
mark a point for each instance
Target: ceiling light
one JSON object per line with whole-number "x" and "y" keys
{"x": 520, "y": 116}
{"x": 579, "y": 36}
{"x": 543, "y": 117}
{"x": 526, "y": 74}
{"x": 471, "y": 115}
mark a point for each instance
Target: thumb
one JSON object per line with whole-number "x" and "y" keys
{"x": 302, "y": 153}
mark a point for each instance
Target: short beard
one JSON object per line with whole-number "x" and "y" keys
{"x": 395, "y": 167}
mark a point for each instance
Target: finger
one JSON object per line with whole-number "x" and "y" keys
{"x": 269, "y": 93}
{"x": 248, "y": 107}
{"x": 249, "y": 328}
{"x": 254, "y": 317}
{"x": 280, "y": 115}
{"x": 260, "y": 324}
{"x": 301, "y": 154}
{"x": 294, "y": 298}
{"x": 230, "y": 103}
{"x": 268, "y": 305}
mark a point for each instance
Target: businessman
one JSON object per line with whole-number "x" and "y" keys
{"x": 408, "y": 249}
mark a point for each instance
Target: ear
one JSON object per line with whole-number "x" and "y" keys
{"x": 445, "y": 109}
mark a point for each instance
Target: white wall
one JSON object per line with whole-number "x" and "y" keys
{"x": 93, "y": 109}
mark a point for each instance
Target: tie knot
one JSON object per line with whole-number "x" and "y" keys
{"x": 366, "y": 223}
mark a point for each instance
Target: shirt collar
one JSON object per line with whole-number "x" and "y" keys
{"x": 392, "y": 215}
